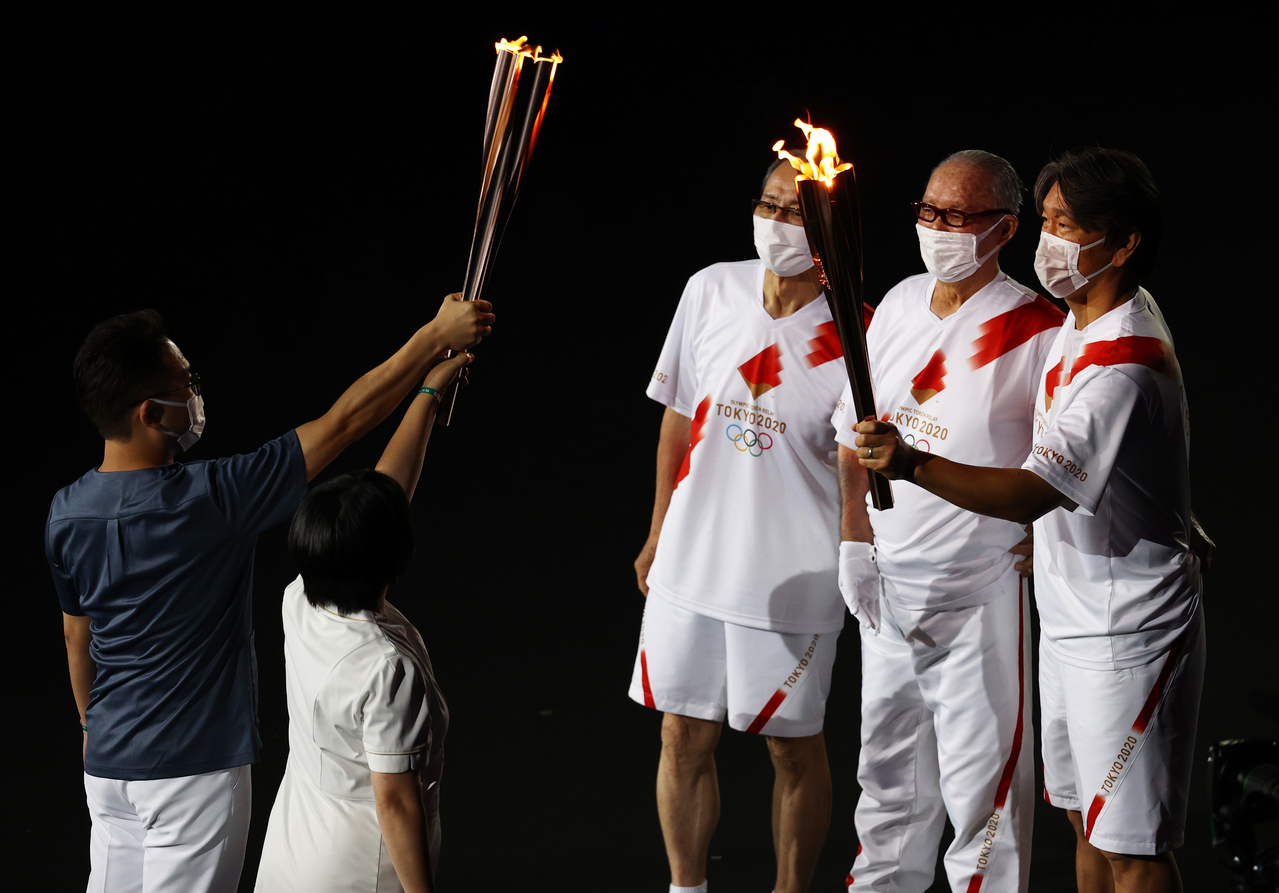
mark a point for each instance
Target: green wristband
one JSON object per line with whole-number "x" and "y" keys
{"x": 432, "y": 391}
{"x": 83, "y": 727}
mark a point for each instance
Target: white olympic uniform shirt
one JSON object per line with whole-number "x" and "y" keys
{"x": 362, "y": 699}
{"x": 962, "y": 387}
{"x": 1116, "y": 580}
{"x": 752, "y": 533}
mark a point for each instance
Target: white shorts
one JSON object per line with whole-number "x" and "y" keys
{"x": 765, "y": 682}
{"x": 169, "y": 835}
{"x": 946, "y": 730}
{"x": 1119, "y": 744}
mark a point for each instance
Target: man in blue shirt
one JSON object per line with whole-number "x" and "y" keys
{"x": 152, "y": 560}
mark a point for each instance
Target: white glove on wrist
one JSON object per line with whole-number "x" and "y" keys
{"x": 859, "y": 582}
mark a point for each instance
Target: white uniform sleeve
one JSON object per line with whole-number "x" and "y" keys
{"x": 674, "y": 383}
{"x": 1078, "y": 451}
{"x": 396, "y": 720}
{"x": 843, "y": 420}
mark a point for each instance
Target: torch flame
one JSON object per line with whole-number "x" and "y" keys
{"x": 520, "y": 47}
{"x": 516, "y": 47}
{"x": 821, "y": 161}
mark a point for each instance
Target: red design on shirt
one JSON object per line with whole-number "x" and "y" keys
{"x": 930, "y": 380}
{"x": 1010, "y": 330}
{"x": 760, "y": 372}
{"x": 825, "y": 347}
{"x": 694, "y": 435}
{"x": 1154, "y": 353}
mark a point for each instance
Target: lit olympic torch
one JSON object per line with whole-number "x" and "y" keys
{"x": 517, "y": 104}
{"x": 833, "y": 221}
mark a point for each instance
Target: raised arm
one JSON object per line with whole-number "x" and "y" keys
{"x": 459, "y": 325}
{"x": 1014, "y": 494}
{"x": 78, "y": 638}
{"x": 402, "y": 458}
{"x": 672, "y": 446}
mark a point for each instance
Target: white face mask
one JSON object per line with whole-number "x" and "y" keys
{"x": 1057, "y": 265}
{"x": 195, "y": 412}
{"x": 952, "y": 256}
{"x": 783, "y": 247}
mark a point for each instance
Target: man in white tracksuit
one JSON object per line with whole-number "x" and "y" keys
{"x": 955, "y": 356}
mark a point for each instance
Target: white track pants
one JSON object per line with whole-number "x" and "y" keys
{"x": 169, "y": 835}
{"x": 946, "y": 729}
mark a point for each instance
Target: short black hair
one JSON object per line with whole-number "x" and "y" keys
{"x": 120, "y": 362}
{"x": 1109, "y": 191}
{"x": 351, "y": 537}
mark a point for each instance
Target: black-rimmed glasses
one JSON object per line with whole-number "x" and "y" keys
{"x": 790, "y": 215}
{"x": 950, "y": 216}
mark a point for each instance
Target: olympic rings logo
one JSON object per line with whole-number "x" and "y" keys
{"x": 919, "y": 444}
{"x": 748, "y": 441}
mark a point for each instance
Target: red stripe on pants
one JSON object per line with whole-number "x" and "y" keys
{"x": 1006, "y": 779}
{"x": 1148, "y": 709}
{"x": 767, "y": 713}
{"x": 648, "y": 691}
{"x": 1141, "y": 722}
{"x": 1097, "y": 803}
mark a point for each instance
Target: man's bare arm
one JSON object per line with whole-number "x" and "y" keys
{"x": 672, "y": 446}
{"x": 1013, "y": 494}
{"x": 854, "y": 518}
{"x": 397, "y": 798}
{"x": 78, "y": 638}
{"x": 459, "y": 325}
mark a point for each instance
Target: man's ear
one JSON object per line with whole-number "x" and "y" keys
{"x": 1126, "y": 250}
{"x": 1006, "y": 235}
{"x": 150, "y": 413}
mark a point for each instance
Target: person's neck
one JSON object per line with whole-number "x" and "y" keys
{"x": 136, "y": 453}
{"x": 787, "y": 295}
{"x": 948, "y": 297}
{"x": 1109, "y": 290}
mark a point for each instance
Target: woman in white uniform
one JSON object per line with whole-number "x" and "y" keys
{"x": 358, "y": 807}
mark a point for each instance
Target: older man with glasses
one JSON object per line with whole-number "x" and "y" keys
{"x": 955, "y": 355}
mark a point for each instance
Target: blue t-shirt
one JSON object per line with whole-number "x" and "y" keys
{"x": 161, "y": 560}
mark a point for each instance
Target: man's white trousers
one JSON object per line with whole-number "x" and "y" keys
{"x": 169, "y": 835}
{"x": 946, "y": 729}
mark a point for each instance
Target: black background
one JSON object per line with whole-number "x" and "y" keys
{"x": 296, "y": 193}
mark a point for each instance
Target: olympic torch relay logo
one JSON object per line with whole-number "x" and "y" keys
{"x": 930, "y": 380}
{"x": 762, "y": 371}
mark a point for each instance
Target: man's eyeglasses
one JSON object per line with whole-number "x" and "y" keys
{"x": 193, "y": 384}
{"x": 950, "y": 216}
{"x": 790, "y": 215}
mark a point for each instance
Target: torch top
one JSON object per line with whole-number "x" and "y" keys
{"x": 820, "y": 161}
{"x": 520, "y": 47}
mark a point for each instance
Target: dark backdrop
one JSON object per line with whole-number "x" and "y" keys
{"x": 296, "y": 194}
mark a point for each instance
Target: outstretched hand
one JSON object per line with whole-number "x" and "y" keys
{"x": 880, "y": 448}
{"x": 464, "y": 323}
